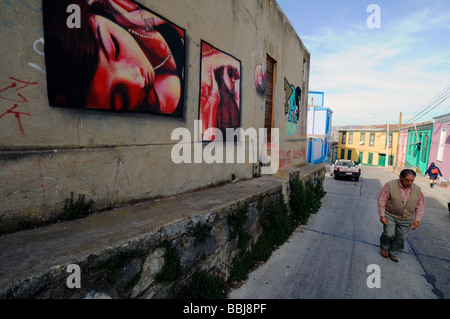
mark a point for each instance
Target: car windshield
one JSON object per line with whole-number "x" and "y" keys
{"x": 345, "y": 163}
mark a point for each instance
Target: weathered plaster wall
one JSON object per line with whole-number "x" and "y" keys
{"x": 48, "y": 152}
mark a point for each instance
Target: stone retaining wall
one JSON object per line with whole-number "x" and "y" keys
{"x": 128, "y": 270}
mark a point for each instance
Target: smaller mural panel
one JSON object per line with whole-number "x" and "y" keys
{"x": 260, "y": 79}
{"x": 113, "y": 55}
{"x": 292, "y": 100}
{"x": 219, "y": 92}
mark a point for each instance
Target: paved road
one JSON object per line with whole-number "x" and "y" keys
{"x": 330, "y": 256}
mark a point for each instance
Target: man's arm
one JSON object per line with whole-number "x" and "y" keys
{"x": 381, "y": 203}
{"x": 420, "y": 210}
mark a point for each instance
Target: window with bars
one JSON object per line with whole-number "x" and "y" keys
{"x": 442, "y": 139}
{"x": 425, "y": 148}
{"x": 362, "y": 139}
{"x": 370, "y": 161}
{"x": 372, "y": 139}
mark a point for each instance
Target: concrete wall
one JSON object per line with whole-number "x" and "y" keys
{"x": 46, "y": 153}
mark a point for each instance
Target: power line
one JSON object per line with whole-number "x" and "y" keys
{"x": 437, "y": 100}
{"x": 439, "y": 77}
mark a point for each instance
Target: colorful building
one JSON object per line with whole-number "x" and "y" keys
{"x": 319, "y": 134}
{"x": 403, "y": 145}
{"x": 418, "y": 149}
{"x": 440, "y": 144}
{"x": 366, "y": 145}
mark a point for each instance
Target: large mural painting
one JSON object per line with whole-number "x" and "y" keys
{"x": 220, "y": 106}
{"x": 291, "y": 107}
{"x": 113, "y": 55}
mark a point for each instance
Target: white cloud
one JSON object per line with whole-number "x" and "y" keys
{"x": 363, "y": 71}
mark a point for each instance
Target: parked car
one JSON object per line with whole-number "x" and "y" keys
{"x": 345, "y": 168}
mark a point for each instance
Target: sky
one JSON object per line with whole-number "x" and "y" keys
{"x": 371, "y": 70}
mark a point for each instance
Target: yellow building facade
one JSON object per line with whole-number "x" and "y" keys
{"x": 367, "y": 145}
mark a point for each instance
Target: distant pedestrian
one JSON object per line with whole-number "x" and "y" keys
{"x": 401, "y": 205}
{"x": 433, "y": 171}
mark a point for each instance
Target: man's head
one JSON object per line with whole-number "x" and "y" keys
{"x": 407, "y": 177}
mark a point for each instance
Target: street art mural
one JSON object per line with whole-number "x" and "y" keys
{"x": 292, "y": 100}
{"x": 219, "y": 92}
{"x": 119, "y": 56}
{"x": 260, "y": 79}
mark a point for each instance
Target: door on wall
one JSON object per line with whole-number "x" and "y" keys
{"x": 382, "y": 160}
{"x": 391, "y": 160}
{"x": 360, "y": 159}
{"x": 270, "y": 87}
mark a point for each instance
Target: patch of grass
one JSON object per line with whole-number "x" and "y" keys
{"x": 276, "y": 229}
{"x": 114, "y": 266}
{"x": 298, "y": 202}
{"x": 171, "y": 268}
{"x": 236, "y": 222}
{"x": 200, "y": 233}
{"x": 203, "y": 286}
{"x": 305, "y": 199}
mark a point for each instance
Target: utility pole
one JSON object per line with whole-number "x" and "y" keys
{"x": 398, "y": 142}
{"x": 387, "y": 145}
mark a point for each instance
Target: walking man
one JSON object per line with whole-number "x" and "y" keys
{"x": 401, "y": 205}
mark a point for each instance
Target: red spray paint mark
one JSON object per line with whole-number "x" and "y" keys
{"x": 5, "y": 94}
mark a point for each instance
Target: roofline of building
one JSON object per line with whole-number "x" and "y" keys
{"x": 442, "y": 118}
{"x": 382, "y": 127}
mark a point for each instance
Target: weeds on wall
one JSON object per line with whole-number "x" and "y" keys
{"x": 171, "y": 268}
{"x": 201, "y": 231}
{"x": 276, "y": 229}
{"x": 278, "y": 222}
{"x": 305, "y": 199}
{"x": 76, "y": 209}
{"x": 115, "y": 265}
{"x": 236, "y": 222}
{"x": 203, "y": 286}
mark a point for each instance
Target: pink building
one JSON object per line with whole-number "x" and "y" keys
{"x": 402, "y": 146}
{"x": 440, "y": 144}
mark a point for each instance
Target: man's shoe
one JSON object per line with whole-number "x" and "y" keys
{"x": 394, "y": 258}
{"x": 384, "y": 253}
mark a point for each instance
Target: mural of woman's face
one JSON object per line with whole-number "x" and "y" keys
{"x": 124, "y": 76}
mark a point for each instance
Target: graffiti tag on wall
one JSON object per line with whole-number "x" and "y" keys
{"x": 123, "y": 57}
{"x": 14, "y": 100}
